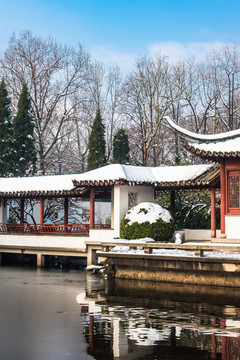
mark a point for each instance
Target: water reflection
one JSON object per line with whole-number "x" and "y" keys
{"x": 41, "y": 319}
{"x": 141, "y": 320}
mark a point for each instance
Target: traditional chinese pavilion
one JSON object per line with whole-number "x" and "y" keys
{"x": 122, "y": 185}
{"x": 223, "y": 149}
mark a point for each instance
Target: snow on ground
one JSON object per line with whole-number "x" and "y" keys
{"x": 147, "y": 211}
{"x": 222, "y": 254}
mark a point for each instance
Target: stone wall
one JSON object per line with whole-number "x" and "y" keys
{"x": 194, "y": 270}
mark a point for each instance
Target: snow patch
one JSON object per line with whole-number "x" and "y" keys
{"x": 147, "y": 211}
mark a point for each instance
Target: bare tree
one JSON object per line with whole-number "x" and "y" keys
{"x": 104, "y": 88}
{"x": 150, "y": 91}
{"x": 225, "y": 65}
{"x": 53, "y": 73}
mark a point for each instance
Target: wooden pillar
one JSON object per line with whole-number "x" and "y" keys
{"x": 41, "y": 211}
{"x": 173, "y": 210}
{"x": 214, "y": 346}
{"x": 223, "y": 196}
{"x": 224, "y": 348}
{"x": 213, "y": 213}
{"x": 66, "y": 213}
{"x": 91, "y": 333}
{"x": 92, "y": 196}
{"x": 22, "y": 211}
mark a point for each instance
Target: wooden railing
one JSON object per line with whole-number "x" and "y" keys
{"x": 69, "y": 229}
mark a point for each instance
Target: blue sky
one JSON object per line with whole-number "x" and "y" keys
{"x": 119, "y": 31}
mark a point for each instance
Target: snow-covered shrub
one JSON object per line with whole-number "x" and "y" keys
{"x": 147, "y": 220}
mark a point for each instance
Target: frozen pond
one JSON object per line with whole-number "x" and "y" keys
{"x": 52, "y": 314}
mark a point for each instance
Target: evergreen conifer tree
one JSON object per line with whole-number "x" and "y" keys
{"x": 23, "y": 127}
{"x": 97, "y": 144}
{"x": 121, "y": 147}
{"x": 6, "y": 132}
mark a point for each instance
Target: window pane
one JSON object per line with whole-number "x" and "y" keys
{"x": 234, "y": 191}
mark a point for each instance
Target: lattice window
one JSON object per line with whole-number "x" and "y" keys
{"x": 132, "y": 200}
{"x": 233, "y": 194}
{"x": 12, "y": 217}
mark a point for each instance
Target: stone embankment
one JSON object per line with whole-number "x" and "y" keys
{"x": 208, "y": 264}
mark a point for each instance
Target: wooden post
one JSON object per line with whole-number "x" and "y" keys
{"x": 224, "y": 347}
{"x": 92, "y": 196}
{"x": 173, "y": 210}
{"x": 41, "y": 211}
{"x": 223, "y": 196}
{"x": 22, "y": 212}
{"x": 65, "y": 214}
{"x": 214, "y": 346}
{"x": 213, "y": 213}
{"x": 91, "y": 333}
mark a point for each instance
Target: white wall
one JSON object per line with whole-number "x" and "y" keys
{"x": 3, "y": 212}
{"x": 232, "y": 226}
{"x": 120, "y": 198}
{"x": 100, "y": 235}
{"x": 197, "y": 234}
{"x": 48, "y": 241}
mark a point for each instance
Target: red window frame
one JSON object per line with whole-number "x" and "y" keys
{"x": 233, "y": 210}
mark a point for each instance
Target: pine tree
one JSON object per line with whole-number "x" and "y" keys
{"x": 23, "y": 128}
{"x": 97, "y": 144}
{"x": 121, "y": 147}
{"x": 6, "y": 132}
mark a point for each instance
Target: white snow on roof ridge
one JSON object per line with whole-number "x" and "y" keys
{"x": 227, "y": 146}
{"x": 214, "y": 137}
{"x": 37, "y": 183}
{"x": 107, "y": 172}
{"x": 113, "y": 172}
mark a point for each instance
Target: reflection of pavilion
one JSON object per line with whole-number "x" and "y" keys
{"x": 132, "y": 331}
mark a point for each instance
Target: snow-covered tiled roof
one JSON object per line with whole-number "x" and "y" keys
{"x": 216, "y": 150}
{"x": 107, "y": 175}
{"x": 135, "y": 175}
{"x": 211, "y": 147}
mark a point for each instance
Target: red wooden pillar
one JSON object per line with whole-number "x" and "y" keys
{"x": 213, "y": 213}
{"x": 22, "y": 211}
{"x": 173, "y": 210}
{"x": 92, "y": 196}
{"x": 224, "y": 348}
{"x": 66, "y": 214}
{"x": 41, "y": 211}
{"x": 91, "y": 333}
{"x": 65, "y": 211}
{"x": 214, "y": 346}
{"x": 223, "y": 195}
